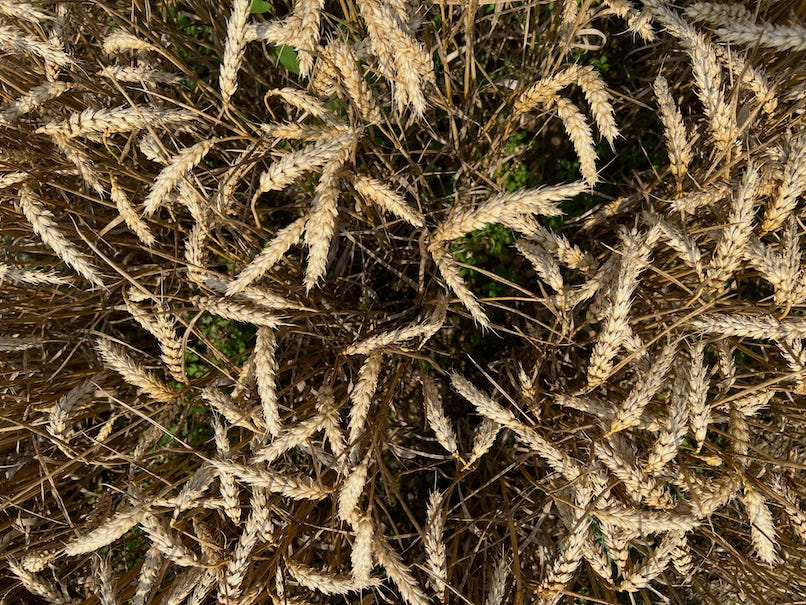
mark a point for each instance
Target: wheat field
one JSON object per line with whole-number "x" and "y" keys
{"x": 390, "y": 301}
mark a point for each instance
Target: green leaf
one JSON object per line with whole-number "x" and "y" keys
{"x": 258, "y": 7}
{"x": 288, "y": 58}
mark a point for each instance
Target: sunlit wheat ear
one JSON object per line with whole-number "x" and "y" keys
{"x": 227, "y": 485}
{"x": 792, "y": 186}
{"x": 353, "y": 82}
{"x": 600, "y": 102}
{"x": 685, "y": 247}
{"x": 304, "y": 102}
{"x": 233, "y": 576}
{"x": 296, "y": 487}
{"x": 544, "y": 90}
{"x": 564, "y": 566}
{"x": 351, "y": 492}
{"x": 168, "y": 542}
{"x": 61, "y": 416}
{"x": 147, "y": 578}
{"x": 543, "y": 263}
{"x": 137, "y": 74}
{"x": 293, "y": 437}
{"x": 132, "y": 372}
{"x": 435, "y": 554}
{"x": 677, "y": 141}
{"x": 231, "y": 410}
{"x": 37, "y": 585}
{"x": 44, "y": 225}
{"x": 103, "y": 583}
{"x": 95, "y": 123}
{"x": 735, "y": 236}
{"x": 668, "y": 442}
{"x": 781, "y": 38}
{"x": 399, "y": 573}
{"x": 170, "y": 176}
{"x": 376, "y": 192}
{"x": 32, "y": 100}
{"x": 233, "y": 50}
{"x": 653, "y": 565}
{"x": 450, "y": 273}
{"x": 17, "y": 42}
{"x": 24, "y": 11}
{"x": 269, "y": 256}
{"x": 634, "y": 259}
{"x": 718, "y": 13}
{"x": 435, "y": 415}
{"x": 321, "y": 226}
{"x": 290, "y": 167}
{"x": 762, "y": 529}
{"x": 265, "y": 363}
{"x": 79, "y": 159}
{"x": 327, "y": 583}
{"x": 581, "y": 137}
{"x": 130, "y": 215}
{"x": 106, "y": 533}
{"x": 121, "y": 41}
{"x": 421, "y": 329}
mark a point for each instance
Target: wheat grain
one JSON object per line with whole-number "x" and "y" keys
{"x": 44, "y": 225}
{"x": 234, "y": 48}
{"x": 106, "y": 533}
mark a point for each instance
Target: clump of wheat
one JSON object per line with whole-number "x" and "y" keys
{"x": 323, "y": 312}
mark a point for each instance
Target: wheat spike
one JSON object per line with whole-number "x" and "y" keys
{"x": 378, "y": 193}
{"x": 581, "y": 137}
{"x": 399, "y": 573}
{"x": 33, "y": 99}
{"x": 120, "y": 40}
{"x": 149, "y": 571}
{"x": 435, "y": 415}
{"x": 228, "y": 487}
{"x": 290, "y": 486}
{"x": 168, "y": 544}
{"x": 170, "y": 176}
{"x": 600, "y": 103}
{"x": 450, "y": 273}
{"x": 265, "y": 374}
{"x": 542, "y": 262}
{"x": 106, "y": 533}
{"x": 361, "y": 559}
{"x": 44, "y": 225}
{"x": 132, "y": 372}
{"x": 230, "y": 585}
{"x": 792, "y": 185}
{"x": 36, "y": 585}
{"x": 677, "y": 143}
{"x": 296, "y": 435}
{"x": 16, "y": 41}
{"x": 352, "y": 79}
{"x": 668, "y": 442}
{"x": 780, "y": 38}
{"x": 362, "y": 394}
{"x": 654, "y": 564}
{"x": 235, "y": 311}
{"x": 762, "y": 530}
{"x": 562, "y": 569}
{"x": 351, "y": 490}
{"x": 735, "y": 236}
{"x": 229, "y": 409}
{"x": 270, "y": 256}
{"x": 129, "y": 214}
{"x": 327, "y": 583}
{"x": 717, "y": 13}
{"x": 96, "y": 123}
{"x": 435, "y": 554}
{"x": 233, "y": 50}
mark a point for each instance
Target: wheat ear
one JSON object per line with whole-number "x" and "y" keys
{"x": 24, "y": 11}
{"x": 17, "y": 42}
{"x": 270, "y": 256}
{"x": 326, "y": 582}
{"x": 129, "y": 214}
{"x": 294, "y": 487}
{"x": 654, "y": 564}
{"x": 135, "y": 374}
{"x": 779, "y": 38}
{"x": 435, "y": 415}
{"x": 36, "y": 585}
{"x": 170, "y": 176}
{"x": 149, "y": 572}
{"x": 792, "y": 185}
{"x": 106, "y": 533}
{"x": 44, "y": 224}
{"x": 120, "y": 40}
{"x": 228, "y": 487}
{"x": 233, "y": 49}
{"x": 33, "y": 99}
{"x": 266, "y": 374}
{"x": 762, "y": 530}
{"x": 379, "y": 194}
{"x": 362, "y": 394}
{"x": 350, "y": 492}
{"x": 399, "y": 573}
{"x": 93, "y": 123}
{"x": 435, "y": 555}
{"x": 450, "y": 273}
{"x": 677, "y": 143}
